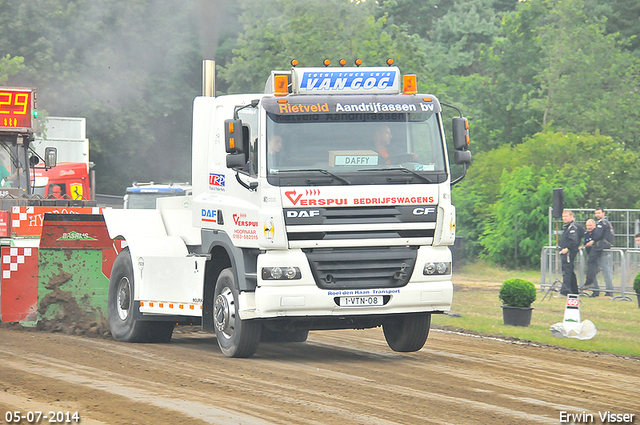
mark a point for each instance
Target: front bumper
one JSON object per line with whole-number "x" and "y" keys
{"x": 303, "y": 298}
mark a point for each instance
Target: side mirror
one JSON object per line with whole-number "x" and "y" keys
{"x": 236, "y": 160}
{"x": 460, "y": 133}
{"x": 50, "y": 157}
{"x": 233, "y": 136}
{"x": 462, "y": 157}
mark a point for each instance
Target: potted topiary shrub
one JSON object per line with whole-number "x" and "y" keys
{"x": 517, "y": 295}
{"x": 636, "y": 287}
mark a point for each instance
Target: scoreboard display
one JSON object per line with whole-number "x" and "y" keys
{"x": 17, "y": 110}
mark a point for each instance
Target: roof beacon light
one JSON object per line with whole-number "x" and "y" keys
{"x": 389, "y": 61}
{"x": 326, "y": 62}
{"x": 409, "y": 84}
{"x": 294, "y": 62}
{"x": 281, "y": 85}
{"x": 342, "y": 62}
{"x": 358, "y": 62}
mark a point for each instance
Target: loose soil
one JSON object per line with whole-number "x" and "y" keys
{"x": 336, "y": 377}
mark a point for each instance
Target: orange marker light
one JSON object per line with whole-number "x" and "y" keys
{"x": 358, "y": 62}
{"x": 389, "y": 61}
{"x": 326, "y": 62}
{"x": 294, "y": 62}
{"x": 409, "y": 84}
{"x": 281, "y": 85}
{"x": 342, "y": 62}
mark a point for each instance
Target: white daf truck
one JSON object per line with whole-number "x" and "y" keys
{"x": 323, "y": 203}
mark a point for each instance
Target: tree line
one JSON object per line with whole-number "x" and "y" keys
{"x": 550, "y": 87}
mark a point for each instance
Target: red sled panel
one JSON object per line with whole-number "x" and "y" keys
{"x": 18, "y": 284}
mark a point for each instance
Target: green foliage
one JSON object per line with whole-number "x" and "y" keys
{"x": 278, "y": 31}
{"x": 636, "y": 284}
{"x": 587, "y": 77}
{"x": 517, "y": 293}
{"x": 10, "y": 66}
{"x": 503, "y": 204}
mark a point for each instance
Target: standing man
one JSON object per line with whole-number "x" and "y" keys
{"x": 592, "y": 263}
{"x": 603, "y": 239}
{"x": 569, "y": 244}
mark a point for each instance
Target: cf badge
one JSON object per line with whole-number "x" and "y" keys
{"x": 423, "y": 211}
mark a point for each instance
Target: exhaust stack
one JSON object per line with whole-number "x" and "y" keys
{"x": 208, "y": 78}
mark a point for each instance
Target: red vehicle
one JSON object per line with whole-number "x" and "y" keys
{"x": 68, "y": 180}
{"x": 26, "y": 173}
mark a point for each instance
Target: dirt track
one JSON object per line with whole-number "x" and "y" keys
{"x": 336, "y": 377}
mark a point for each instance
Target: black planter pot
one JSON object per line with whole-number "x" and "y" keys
{"x": 516, "y": 316}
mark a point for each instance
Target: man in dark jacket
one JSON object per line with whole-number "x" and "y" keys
{"x": 603, "y": 239}
{"x": 592, "y": 263}
{"x": 569, "y": 245}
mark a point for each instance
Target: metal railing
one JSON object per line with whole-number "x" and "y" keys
{"x": 625, "y": 222}
{"x": 624, "y": 265}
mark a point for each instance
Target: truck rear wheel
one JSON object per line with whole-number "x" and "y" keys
{"x": 236, "y": 337}
{"x": 124, "y": 327}
{"x": 407, "y": 332}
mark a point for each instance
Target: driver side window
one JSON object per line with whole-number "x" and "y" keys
{"x": 249, "y": 117}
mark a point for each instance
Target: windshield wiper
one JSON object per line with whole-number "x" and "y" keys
{"x": 404, "y": 170}
{"x": 317, "y": 170}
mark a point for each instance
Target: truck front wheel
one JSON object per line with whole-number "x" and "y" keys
{"x": 407, "y": 332}
{"x": 124, "y": 327}
{"x": 236, "y": 337}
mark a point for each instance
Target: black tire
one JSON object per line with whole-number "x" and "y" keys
{"x": 124, "y": 327}
{"x": 236, "y": 337}
{"x": 299, "y": 335}
{"x": 408, "y": 332}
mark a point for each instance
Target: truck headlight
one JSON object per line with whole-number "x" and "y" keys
{"x": 281, "y": 273}
{"x": 434, "y": 268}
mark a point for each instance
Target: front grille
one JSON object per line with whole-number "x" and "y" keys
{"x": 381, "y": 234}
{"x": 383, "y": 222}
{"x": 362, "y": 268}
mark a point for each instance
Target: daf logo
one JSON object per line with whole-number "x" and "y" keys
{"x": 423, "y": 211}
{"x": 302, "y": 213}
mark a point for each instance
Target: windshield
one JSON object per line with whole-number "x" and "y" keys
{"x": 13, "y": 164}
{"x": 354, "y": 148}
{"x": 145, "y": 200}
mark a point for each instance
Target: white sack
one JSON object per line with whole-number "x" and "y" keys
{"x": 584, "y": 330}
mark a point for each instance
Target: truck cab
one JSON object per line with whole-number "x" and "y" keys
{"x": 323, "y": 203}
{"x": 144, "y": 195}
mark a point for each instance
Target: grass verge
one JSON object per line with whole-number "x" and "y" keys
{"x": 475, "y": 298}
